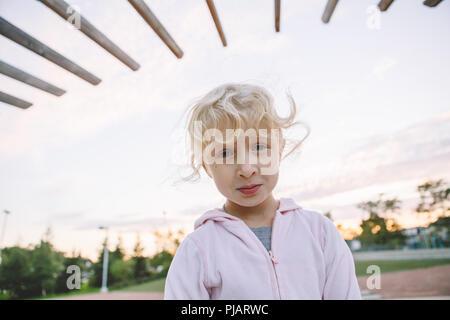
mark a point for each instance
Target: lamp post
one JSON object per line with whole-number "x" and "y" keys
{"x": 6, "y": 212}
{"x": 104, "y": 288}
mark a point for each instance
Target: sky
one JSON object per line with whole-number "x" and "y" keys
{"x": 372, "y": 87}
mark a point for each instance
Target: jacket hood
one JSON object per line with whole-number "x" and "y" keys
{"x": 219, "y": 215}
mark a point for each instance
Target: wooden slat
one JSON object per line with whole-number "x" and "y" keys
{"x": 384, "y": 4}
{"x": 432, "y": 3}
{"x": 6, "y": 98}
{"x": 277, "y": 15}
{"x": 29, "y": 79}
{"x": 61, "y": 8}
{"x": 154, "y": 23}
{"x": 17, "y": 35}
{"x": 329, "y": 9}
{"x": 215, "y": 17}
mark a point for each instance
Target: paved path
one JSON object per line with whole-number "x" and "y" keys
{"x": 427, "y": 282}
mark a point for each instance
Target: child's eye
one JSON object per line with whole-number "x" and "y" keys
{"x": 226, "y": 153}
{"x": 259, "y": 147}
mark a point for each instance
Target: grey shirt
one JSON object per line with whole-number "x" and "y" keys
{"x": 263, "y": 233}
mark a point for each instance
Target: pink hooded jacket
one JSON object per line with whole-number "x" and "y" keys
{"x": 224, "y": 259}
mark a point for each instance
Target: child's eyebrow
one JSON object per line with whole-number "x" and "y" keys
{"x": 259, "y": 139}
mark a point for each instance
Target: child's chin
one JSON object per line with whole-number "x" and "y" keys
{"x": 250, "y": 200}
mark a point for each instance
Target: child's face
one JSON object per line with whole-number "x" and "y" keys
{"x": 246, "y": 180}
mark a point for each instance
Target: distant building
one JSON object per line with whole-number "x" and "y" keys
{"x": 415, "y": 237}
{"x": 439, "y": 231}
{"x": 436, "y": 235}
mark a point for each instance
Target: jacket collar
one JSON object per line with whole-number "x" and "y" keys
{"x": 287, "y": 204}
{"x": 219, "y": 215}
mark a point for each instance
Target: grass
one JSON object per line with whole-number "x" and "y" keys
{"x": 360, "y": 267}
{"x": 151, "y": 286}
{"x": 397, "y": 265}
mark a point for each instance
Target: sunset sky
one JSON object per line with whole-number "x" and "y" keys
{"x": 377, "y": 101}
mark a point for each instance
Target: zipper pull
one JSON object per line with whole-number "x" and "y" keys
{"x": 272, "y": 257}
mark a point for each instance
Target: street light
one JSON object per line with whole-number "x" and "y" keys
{"x": 6, "y": 212}
{"x": 104, "y": 288}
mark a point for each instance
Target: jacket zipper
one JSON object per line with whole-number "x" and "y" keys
{"x": 275, "y": 271}
{"x": 272, "y": 259}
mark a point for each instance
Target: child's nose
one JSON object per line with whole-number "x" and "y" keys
{"x": 246, "y": 170}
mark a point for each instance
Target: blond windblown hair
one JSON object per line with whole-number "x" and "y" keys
{"x": 238, "y": 106}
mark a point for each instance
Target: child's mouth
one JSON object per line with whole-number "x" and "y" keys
{"x": 249, "y": 189}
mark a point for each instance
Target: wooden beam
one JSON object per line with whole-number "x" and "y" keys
{"x": 13, "y": 72}
{"x": 432, "y": 3}
{"x": 63, "y": 10}
{"x": 215, "y": 17}
{"x": 154, "y": 23}
{"x": 329, "y": 9}
{"x": 6, "y": 98}
{"x": 277, "y": 15}
{"x": 17, "y": 35}
{"x": 384, "y": 4}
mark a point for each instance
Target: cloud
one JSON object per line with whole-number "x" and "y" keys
{"x": 419, "y": 151}
{"x": 382, "y": 66}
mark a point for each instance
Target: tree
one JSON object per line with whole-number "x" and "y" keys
{"x": 167, "y": 244}
{"x": 119, "y": 253}
{"x": 15, "y": 272}
{"x": 122, "y": 272}
{"x": 32, "y": 271}
{"x": 140, "y": 262}
{"x": 372, "y": 207}
{"x": 391, "y": 206}
{"x": 374, "y": 231}
{"x": 162, "y": 260}
{"x": 47, "y": 264}
{"x": 168, "y": 241}
{"x": 380, "y": 228}
{"x": 434, "y": 199}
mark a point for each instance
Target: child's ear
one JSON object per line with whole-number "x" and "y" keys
{"x": 206, "y": 170}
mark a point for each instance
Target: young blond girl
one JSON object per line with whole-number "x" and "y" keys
{"x": 255, "y": 246}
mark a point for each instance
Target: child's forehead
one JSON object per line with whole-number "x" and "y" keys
{"x": 246, "y": 132}
{"x": 227, "y": 135}
{"x": 260, "y": 128}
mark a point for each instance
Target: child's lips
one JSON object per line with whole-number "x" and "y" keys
{"x": 249, "y": 189}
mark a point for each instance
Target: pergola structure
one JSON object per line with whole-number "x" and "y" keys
{"x": 64, "y": 10}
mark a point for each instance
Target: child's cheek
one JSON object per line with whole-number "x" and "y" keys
{"x": 270, "y": 164}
